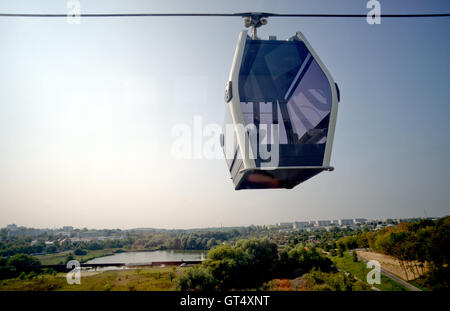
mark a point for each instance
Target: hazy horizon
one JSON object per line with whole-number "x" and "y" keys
{"x": 87, "y": 112}
{"x": 211, "y": 226}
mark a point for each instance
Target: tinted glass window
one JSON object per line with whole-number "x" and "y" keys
{"x": 281, "y": 83}
{"x": 268, "y": 69}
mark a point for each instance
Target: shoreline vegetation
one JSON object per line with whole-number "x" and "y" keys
{"x": 255, "y": 259}
{"x": 59, "y": 258}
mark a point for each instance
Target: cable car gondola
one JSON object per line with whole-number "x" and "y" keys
{"x": 281, "y": 96}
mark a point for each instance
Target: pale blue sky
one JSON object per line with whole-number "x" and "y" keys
{"x": 86, "y": 113}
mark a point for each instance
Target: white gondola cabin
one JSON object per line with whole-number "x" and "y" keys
{"x": 281, "y": 113}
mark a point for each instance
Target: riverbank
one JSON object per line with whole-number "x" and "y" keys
{"x": 58, "y": 258}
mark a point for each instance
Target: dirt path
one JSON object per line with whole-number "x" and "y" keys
{"x": 388, "y": 263}
{"x": 389, "y": 267}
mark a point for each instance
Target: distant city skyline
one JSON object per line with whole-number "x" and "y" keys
{"x": 87, "y": 112}
{"x": 291, "y": 222}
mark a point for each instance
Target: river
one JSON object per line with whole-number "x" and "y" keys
{"x": 150, "y": 256}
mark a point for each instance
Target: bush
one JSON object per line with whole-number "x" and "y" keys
{"x": 8, "y": 272}
{"x": 317, "y": 280}
{"x": 49, "y": 271}
{"x": 298, "y": 261}
{"x": 31, "y": 275}
{"x": 93, "y": 245}
{"x": 22, "y": 262}
{"x": 51, "y": 249}
{"x": 69, "y": 258}
{"x": 171, "y": 276}
{"x": 196, "y": 278}
{"x": 80, "y": 252}
{"x": 22, "y": 276}
{"x": 355, "y": 256}
{"x": 249, "y": 265}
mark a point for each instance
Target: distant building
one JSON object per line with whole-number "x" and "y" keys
{"x": 90, "y": 234}
{"x": 67, "y": 228}
{"x": 73, "y": 240}
{"x": 378, "y": 227}
{"x": 345, "y": 222}
{"x": 285, "y": 224}
{"x": 323, "y": 223}
{"x": 359, "y": 220}
{"x": 11, "y": 227}
{"x": 300, "y": 225}
{"x": 62, "y": 241}
{"x": 285, "y": 230}
{"x": 103, "y": 238}
{"x": 312, "y": 229}
{"x": 312, "y": 238}
{"x": 15, "y": 231}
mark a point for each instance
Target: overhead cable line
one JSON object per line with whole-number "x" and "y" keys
{"x": 248, "y": 14}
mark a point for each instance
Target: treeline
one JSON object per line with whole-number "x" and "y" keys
{"x": 104, "y": 244}
{"x": 15, "y": 246}
{"x": 249, "y": 264}
{"x": 198, "y": 240}
{"x": 155, "y": 240}
{"x": 422, "y": 248}
{"x": 17, "y": 265}
{"x": 22, "y": 246}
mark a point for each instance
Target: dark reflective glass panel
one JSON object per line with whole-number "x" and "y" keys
{"x": 281, "y": 83}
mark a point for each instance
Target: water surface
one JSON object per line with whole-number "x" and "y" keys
{"x": 150, "y": 256}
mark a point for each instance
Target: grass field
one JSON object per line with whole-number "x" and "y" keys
{"x": 152, "y": 279}
{"x": 359, "y": 270}
{"x": 419, "y": 285}
{"x": 149, "y": 279}
{"x": 57, "y": 258}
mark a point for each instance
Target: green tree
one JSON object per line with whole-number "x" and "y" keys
{"x": 22, "y": 261}
{"x": 354, "y": 256}
{"x": 80, "y": 252}
{"x": 211, "y": 243}
{"x": 247, "y": 264}
{"x": 300, "y": 260}
{"x": 341, "y": 248}
{"x": 69, "y": 258}
{"x": 196, "y": 278}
